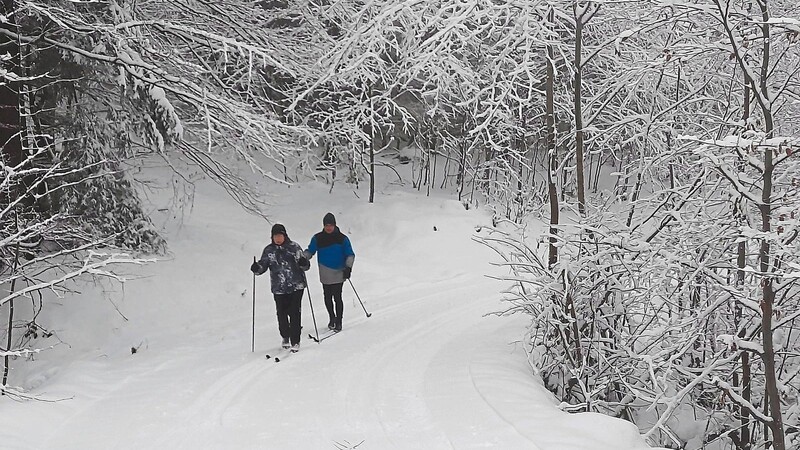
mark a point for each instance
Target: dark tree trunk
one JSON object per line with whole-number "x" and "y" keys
{"x": 552, "y": 190}
{"x": 372, "y": 169}
{"x": 741, "y": 261}
{"x": 578, "y": 86}
{"x": 11, "y": 153}
{"x": 765, "y": 254}
{"x": 9, "y": 93}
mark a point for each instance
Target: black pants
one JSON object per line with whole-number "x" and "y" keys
{"x": 288, "y": 309}
{"x": 333, "y": 293}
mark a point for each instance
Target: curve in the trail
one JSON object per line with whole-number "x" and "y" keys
{"x": 428, "y": 370}
{"x": 400, "y": 379}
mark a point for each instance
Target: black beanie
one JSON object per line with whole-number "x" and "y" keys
{"x": 329, "y": 219}
{"x": 278, "y": 229}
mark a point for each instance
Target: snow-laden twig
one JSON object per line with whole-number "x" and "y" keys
{"x": 94, "y": 263}
{"x": 736, "y": 343}
{"x": 733, "y": 395}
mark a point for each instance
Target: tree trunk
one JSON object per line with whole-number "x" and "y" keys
{"x": 10, "y": 124}
{"x": 11, "y": 153}
{"x": 768, "y": 293}
{"x": 578, "y": 81}
{"x": 462, "y": 163}
{"x": 741, "y": 261}
{"x": 10, "y": 331}
{"x": 372, "y": 168}
{"x": 552, "y": 257}
{"x": 744, "y": 415}
{"x": 433, "y": 171}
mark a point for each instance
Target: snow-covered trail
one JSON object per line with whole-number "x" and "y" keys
{"x": 389, "y": 381}
{"x": 428, "y": 370}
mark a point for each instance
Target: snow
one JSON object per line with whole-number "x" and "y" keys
{"x": 735, "y": 342}
{"x": 167, "y": 111}
{"x": 430, "y": 369}
{"x": 789, "y": 23}
{"x": 621, "y": 37}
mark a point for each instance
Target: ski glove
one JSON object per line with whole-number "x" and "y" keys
{"x": 255, "y": 267}
{"x": 347, "y": 271}
{"x": 303, "y": 263}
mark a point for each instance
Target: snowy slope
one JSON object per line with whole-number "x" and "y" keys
{"x": 428, "y": 370}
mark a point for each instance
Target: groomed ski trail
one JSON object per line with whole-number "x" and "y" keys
{"x": 428, "y": 370}
{"x": 420, "y": 373}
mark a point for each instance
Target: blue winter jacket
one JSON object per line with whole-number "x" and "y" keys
{"x": 335, "y": 253}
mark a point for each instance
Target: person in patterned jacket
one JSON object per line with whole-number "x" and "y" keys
{"x": 285, "y": 260}
{"x": 335, "y": 261}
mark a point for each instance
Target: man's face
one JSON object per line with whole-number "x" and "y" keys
{"x": 329, "y": 227}
{"x": 278, "y": 239}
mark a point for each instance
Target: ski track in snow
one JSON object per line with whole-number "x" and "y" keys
{"x": 388, "y": 388}
{"x": 208, "y": 408}
{"x": 391, "y": 372}
{"x": 411, "y": 376}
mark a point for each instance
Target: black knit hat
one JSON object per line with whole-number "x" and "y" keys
{"x": 329, "y": 219}
{"x": 278, "y": 229}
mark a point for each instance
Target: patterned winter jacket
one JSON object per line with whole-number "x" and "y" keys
{"x": 335, "y": 253}
{"x": 286, "y": 275}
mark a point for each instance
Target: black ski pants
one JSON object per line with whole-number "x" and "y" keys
{"x": 333, "y": 294}
{"x": 288, "y": 308}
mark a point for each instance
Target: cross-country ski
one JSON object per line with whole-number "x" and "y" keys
{"x": 278, "y": 355}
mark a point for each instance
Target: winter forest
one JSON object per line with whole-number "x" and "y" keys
{"x": 655, "y": 139}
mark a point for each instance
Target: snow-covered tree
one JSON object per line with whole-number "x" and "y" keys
{"x": 462, "y": 79}
{"x": 90, "y": 89}
{"x": 680, "y": 276}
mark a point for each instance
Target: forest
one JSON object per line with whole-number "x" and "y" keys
{"x": 657, "y": 140}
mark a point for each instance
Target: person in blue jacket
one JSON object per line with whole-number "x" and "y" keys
{"x": 286, "y": 263}
{"x": 335, "y": 262}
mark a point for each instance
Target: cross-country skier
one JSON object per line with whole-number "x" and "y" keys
{"x": 335, "y": 261}
{"x": 286, "y": 263}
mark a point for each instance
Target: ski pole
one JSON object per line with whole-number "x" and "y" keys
{"x": 308, "y": 289}
{"x": 253, "y": 341}
{"x": 359, "y": 298}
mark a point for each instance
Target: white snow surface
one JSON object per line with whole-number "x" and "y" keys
{"x": 431, "y": 369}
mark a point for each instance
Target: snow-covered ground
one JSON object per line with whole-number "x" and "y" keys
{"x": 429, "y": 370}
